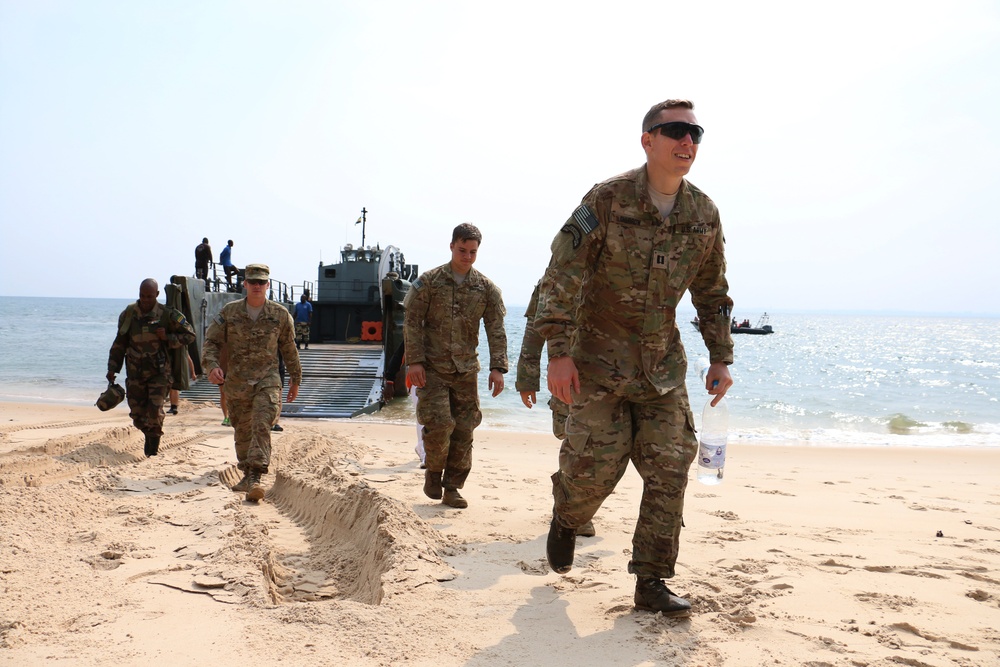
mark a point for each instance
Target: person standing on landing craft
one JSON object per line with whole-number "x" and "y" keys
{"x": 252, "y": 330}
{"x": 619, "y": 267}
{"x": 226, "y": 259}
{"x": 441, "y": 333}
{"x": 202, "y": 258}
{"x": 303, "y": 320}
{"x": 145, "y": 330}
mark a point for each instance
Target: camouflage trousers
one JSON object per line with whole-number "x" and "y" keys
{"x": 560, "y": 412}
{"x": 606, "y": 430}
{"x": 145, "y": 402}
{"x": 252, "y": 415}
{"x": 448, "y": 409}
{"x": 302, "y": 332}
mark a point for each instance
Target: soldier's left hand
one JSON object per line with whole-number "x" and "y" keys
{"x": 496, "y": 382}
{"x": 293, "y": 392}
{"x": 718, "y": 381}
{"x": 528, "y": 398}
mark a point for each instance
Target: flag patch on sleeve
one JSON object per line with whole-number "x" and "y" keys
{"x": 585, "y": 218}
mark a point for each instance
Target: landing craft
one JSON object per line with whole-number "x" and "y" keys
{"x": 357, "y": 325}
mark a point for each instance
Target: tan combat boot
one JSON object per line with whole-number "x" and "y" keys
{"x": 453, "y": 498}
{"x": 432, "y": 484}
{"x": 255, "y": 491}
{"x": 243, "y": 485}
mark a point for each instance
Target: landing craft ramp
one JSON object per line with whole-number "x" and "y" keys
{"x": 338, "y": 380}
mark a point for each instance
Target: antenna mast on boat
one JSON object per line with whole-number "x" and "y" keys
{"x": 362, "y": 220}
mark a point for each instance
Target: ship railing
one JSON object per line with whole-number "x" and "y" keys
{"x": 305, "y": 288}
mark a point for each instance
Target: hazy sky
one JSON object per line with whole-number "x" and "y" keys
{"x": 853, "y": 148}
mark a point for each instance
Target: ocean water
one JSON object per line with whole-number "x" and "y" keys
{"x": 826, "y": 380}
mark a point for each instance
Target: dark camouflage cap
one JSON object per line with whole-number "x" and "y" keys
{"x": 111, "y": 397}
{"x": 257, "y": 272}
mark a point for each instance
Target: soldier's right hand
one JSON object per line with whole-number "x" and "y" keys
{"x": 563, "y": 378}
{"x": 111, "y": 376}
{"x": 416, "y": 374}
{"x": 528, "y": 398}
{"x": 217, "y": 376}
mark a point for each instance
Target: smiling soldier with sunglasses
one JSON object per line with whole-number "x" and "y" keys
{"x": 253, "y": 330}
{"x": 620, "y": 266}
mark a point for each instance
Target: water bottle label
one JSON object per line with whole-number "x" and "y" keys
{"x": 711, "y": 456}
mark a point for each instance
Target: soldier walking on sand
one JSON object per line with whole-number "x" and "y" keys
{"x": 619, "y": 267}
{"x": 252, "y": 330}
{"x": 145, "y": 330}
{"x": 441, "y": 333}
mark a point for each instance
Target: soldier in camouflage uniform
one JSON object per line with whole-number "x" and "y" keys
{"x": 253, "y": 330}
{"x": 529, "y": 372}
{"x": 441, "y": 334}
{"x": 145, "y": 330}
{"x": 619, "y": 267}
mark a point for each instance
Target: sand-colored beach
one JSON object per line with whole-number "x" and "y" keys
{"x": 804, "y": 556}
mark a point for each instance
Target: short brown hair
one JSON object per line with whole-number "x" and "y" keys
{"x": 467, "y": 232}
{"x": 654, "y": 111}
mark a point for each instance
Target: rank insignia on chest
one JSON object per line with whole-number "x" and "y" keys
{"x": 659, "y": 259}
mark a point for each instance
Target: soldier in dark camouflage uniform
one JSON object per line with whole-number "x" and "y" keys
{"x": 145, "y": 330}
{"x": 253, "y": 330}
{"x": 529, "y": 372}
{"x": 619, "y": 267}
{"x": 441, "y": 332}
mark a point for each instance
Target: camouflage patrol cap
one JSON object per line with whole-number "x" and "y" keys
{"x": 257, "y": 272}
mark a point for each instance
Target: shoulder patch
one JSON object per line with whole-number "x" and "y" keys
{"x": 585, "y": 218}
{"x": 219, "y": 319}
{"x": 417, "y": 284}
{"x": 575, "y": 233}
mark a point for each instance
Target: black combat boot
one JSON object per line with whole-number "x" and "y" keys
{"x": 651, "y": 594}
{"x": 560, "y": 546}
{"x": 432, "y": 484}
{"x": 152, "y": 446}
{"x": 255, "y": 491}
{"x": 453, "y": 498}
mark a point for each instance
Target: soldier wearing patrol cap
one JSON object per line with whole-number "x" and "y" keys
{"x": 620, "y": 266}
{"x": 253, "y": 329}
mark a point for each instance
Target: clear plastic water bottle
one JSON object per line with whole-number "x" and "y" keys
{"x": 713, "y": 437}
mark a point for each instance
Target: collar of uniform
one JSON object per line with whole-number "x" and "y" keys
{"x": 154, "y": 314}
{"x": 642, "y": 193}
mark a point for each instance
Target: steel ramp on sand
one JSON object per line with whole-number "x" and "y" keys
{"x": 338, "y": 380}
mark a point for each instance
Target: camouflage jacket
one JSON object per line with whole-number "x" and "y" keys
{"x": 252, "y": 346}
{"x": 529, "y": 362}
{"x": 441, "y": 326}
{"x": 137, "y": 344}
{"x": 618, "y": 271}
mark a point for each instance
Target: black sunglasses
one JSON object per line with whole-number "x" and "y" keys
{"x": 678, "y": 130}
{"x": 255, "y": 281}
